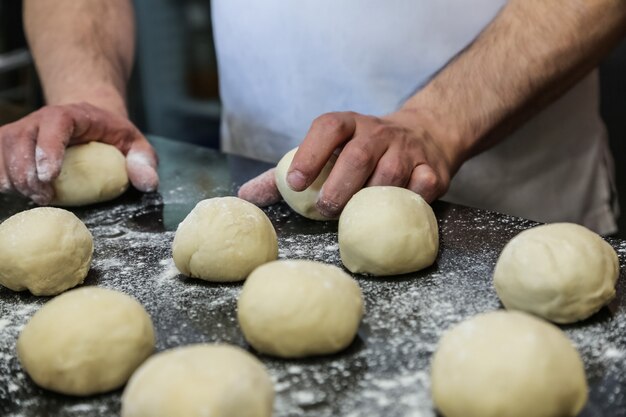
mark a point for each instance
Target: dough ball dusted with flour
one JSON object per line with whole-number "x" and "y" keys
{"x": 299, "y": 308}
{"x": 45, "y": 250}
{"x": 562, "y": 272}
{"x": 302, "y": 202}
{"x": 507, "y": 364}
{"x": 86, "y": 341}
{"x": 199, "y": 381}
{"x": 224, "y": 239}
{"x": 387, "y": 231}
{"x": 91, "y": 173}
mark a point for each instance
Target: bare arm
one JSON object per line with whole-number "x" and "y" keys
{"x": 531, "y": 53}
{"x": 526, "y": 58}
{"x": 83, "y": 51}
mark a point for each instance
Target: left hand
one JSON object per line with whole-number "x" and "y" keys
{"x": 401, "y": 149}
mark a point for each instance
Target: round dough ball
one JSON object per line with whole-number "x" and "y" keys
{"x": 507, "y": 364}
{"x": 199, "y": 381}
{"x": 299, "y": 308}
{"x": 302, "y": 202}
{"x": 562, "y": 272}
{"x": 387, "y": 231}
{"x": 86, "y": 341}
{"x": 45, "y": 250}
{"x": 91, "y": 173}
{"x": 224, "y": 239}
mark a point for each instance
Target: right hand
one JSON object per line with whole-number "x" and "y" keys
{"x": 32, "y": 148}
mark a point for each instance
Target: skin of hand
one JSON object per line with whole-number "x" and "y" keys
{"x": 527, "y": 57}
{"x": 83, "y": 52}
{"x": 32, "y": 149}
{"x": 397, "y": 150}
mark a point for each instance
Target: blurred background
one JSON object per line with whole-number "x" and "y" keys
{"x": 174, "y": 87}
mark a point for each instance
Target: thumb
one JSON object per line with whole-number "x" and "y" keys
{"x": 141, "y": 164}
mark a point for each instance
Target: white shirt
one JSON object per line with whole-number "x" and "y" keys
{"x": 283, "y": 63}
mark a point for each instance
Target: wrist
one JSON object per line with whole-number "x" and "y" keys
{"x": 443, "y": 131}
{"x": 104, "y": 97}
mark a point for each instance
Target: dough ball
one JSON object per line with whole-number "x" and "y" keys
{"x": 562, "y": 272}
{"x": 299, "y": 308}
{"x": 86, "y": 341}
{"x": 302, "y": 202}
{"x": 507, "y": 364}
{"x": 200, "y": 381}
{"x": 224, "y": 239}
{"x": 91, "y": 173}
{"x": 387, "y": 231}
{"x": 45, "y": 250}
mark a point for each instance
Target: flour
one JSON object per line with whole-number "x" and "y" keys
{"x": 386, "y": 370}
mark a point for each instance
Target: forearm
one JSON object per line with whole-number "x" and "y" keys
{"x": 83, "y": 49}
{"x": 531, "y": 53}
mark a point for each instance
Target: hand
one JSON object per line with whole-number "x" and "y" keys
{"x": 32, "y": 149}
{"x": 393, "y": 150}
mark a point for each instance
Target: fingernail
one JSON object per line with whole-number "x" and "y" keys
{"x": 296, "y": 180}
{"x": 148, "y": 184}
{"x": 151, "y": 188}
{"x": 44, "y": 170}
{"x": 328, "y": 208}
{"x": 5, "y": 185}
{"x": 40, "y": 199}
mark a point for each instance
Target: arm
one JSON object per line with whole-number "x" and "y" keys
{"x": 530, "y": 54}
{"x": 83, "y": 51}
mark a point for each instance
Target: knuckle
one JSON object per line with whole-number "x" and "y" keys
{"x": 429, "y": 181}
{"x": 383, "y": 132}
{"x": 85, "y": 106}
{"x": 357, "y": 156}
{"x": 330, "y": 122}
{"x": 392, "y": 174}
{"x": 59, "y": 113}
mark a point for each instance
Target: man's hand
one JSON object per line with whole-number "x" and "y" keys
{"x": 393, "y": 150}
{"x": 32, "y": 149}
{"x": 397, "y": 150}
{"x": 529, "y": 55}
{"x": 83, "y": 51}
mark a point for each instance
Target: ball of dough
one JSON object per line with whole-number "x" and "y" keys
{"x": 302, "y": 202}
{"x": 387, "y": 231}
{"x": 200, "y": 381}
{"x": 507, "y": 364}
{"x": 299, "y": 308}
{"x": 86, "y": 341}
{"x": 562, "y": 272}
{"x": 45, "y": 250}
{"x": 224, "y": 239}
{"x": 91, "y": 173}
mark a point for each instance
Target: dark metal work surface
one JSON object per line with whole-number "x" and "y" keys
{"x": 385, "y": 372}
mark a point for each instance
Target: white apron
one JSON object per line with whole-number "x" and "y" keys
{"x": 282, "y": 63}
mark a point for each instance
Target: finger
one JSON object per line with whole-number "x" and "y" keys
{"x": 354, "y": 166}
{"x": 19, "y": 159}
{"x": 327, "y": 133}
{"x": 261, "y": 190}
{"x": 425, "y": 182}
{"x": 5, "y": 182}
{"x": 93, "y": 124}
{"x": 393, "y": 168}
{"x": 55, "y": 130}
{"x": 141, "y": 164}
